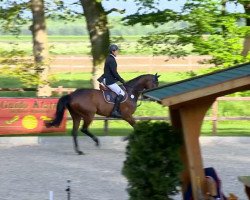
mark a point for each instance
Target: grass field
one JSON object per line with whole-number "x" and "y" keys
{"x": 70, "y": 45}
{"x": 60, "y": 38}
{"x": 225, "y": 128}
{"x": 78, "y": 80}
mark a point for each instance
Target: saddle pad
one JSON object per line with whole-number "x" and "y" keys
{"x": 110, "y": 96}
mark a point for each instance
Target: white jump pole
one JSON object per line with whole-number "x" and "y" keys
{"x": 51, "y": 195}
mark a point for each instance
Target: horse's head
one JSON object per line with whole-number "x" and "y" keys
{"x": 151, "y": 81}
{"x": 143, "y": 82}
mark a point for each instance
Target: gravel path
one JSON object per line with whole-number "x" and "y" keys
{"x": 31, "y": 167}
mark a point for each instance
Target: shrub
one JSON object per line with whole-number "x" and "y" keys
{"x": 153, "y": 165}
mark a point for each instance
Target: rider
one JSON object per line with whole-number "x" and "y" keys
{"x": 111, "y": 76}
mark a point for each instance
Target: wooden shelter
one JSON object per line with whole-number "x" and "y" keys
{"x": 188, "y": 102}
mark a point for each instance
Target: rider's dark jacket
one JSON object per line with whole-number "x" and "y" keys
{"x": 110, "y": 71}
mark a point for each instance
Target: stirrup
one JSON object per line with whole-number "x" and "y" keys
{"x": 116, "y": 114}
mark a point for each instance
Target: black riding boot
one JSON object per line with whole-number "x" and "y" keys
{"x": 115, "y": 112}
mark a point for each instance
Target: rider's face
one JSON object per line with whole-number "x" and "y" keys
{"x": 115, "y": 52}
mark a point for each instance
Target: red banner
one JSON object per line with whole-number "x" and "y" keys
{"x": 27, "y": 115}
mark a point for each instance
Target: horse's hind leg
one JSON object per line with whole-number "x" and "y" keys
{"x": 87, "y": 121}
{"x": 76, "y": 122}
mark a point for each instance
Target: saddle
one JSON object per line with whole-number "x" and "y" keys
{"x": 110, "y": 96}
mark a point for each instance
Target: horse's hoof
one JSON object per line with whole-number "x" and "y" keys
{"x": 47, "y": 124}
{"x": 97, "y": 143}
{"x": 125, "y": 138}
{"x": 80, "y": 153}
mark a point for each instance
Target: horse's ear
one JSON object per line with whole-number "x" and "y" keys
{"x": 156, "y": 75}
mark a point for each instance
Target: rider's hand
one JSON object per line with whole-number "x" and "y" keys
{"x": 122, "y": 86}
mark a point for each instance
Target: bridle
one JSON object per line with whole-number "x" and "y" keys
{"x": 155, "y": 81}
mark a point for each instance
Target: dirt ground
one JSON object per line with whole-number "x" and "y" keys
{"x": 31, "y": 167}
{"x": 130, "y": 63}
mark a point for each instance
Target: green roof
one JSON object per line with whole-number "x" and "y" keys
{"x": 198, "y": 82}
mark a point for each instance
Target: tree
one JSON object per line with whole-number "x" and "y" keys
{"x": 98, "y": 29}
{"x": 209, "y": 29}
{"x": 40, "y": 46}
{"x": 97, "y": 23}
{"x": 246, "y": 44}
{"x": 94, "y": 13}
{"x": 14, "y": 17}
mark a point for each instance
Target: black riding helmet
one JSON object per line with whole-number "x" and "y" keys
{"x": 113, "y": 47}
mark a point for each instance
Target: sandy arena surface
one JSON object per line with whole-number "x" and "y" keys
{"x": 31, "y": 167}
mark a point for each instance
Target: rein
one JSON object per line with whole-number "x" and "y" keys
{"x": 138, "y": 91}
{"x": 139, "y": 104}
{"x": 125, "y": 85}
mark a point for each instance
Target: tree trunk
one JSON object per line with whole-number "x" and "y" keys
{"x": 40, "y": 46}
{"x": 223, "y": 13}
{"x": 246, "y": 43}
{"x": 97, "y": 23}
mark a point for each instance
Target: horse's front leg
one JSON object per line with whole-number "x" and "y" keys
{"x": 132, "y": 122}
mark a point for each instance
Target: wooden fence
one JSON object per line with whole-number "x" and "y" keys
{"x": 59, "y": 90}
{"x": 137, "y": 118}
{"x": 215, "y": 118}
{"x": 130, "y": 63}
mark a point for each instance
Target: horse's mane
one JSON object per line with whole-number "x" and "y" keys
{"x": 134, "y": 80}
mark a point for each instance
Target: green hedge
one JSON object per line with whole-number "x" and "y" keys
{"x": 153, "y": 165}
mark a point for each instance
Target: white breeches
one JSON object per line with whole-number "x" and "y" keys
{"x": 116, "y": 88}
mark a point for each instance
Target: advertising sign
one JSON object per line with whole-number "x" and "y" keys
{"x": 27, "y": 115}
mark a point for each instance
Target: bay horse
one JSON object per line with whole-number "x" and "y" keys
{"x": 85, "y": 103}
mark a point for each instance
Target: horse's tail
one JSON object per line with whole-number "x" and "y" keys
{"x": 61, "y": 105}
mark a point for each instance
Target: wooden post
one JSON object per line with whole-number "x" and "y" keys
{"x": 192, "y": 118}
{"x": 106, "y": 127}
{"x": 189, "y": 117}
{"x": 60, "y": 90}
{"x": 214, "y": 117}
{"x": 176, "y": 122}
